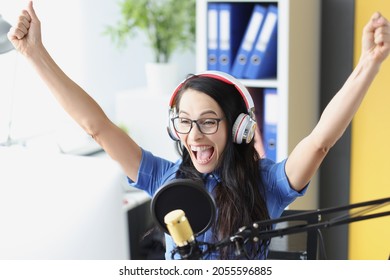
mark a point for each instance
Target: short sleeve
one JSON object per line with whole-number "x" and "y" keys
{"x": 279, "y": 193}
{"x": 153, "y": 172}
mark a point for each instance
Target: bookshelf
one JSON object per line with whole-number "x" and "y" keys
{"x": 297, "y": 77}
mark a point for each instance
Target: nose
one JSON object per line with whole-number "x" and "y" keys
{"x": 195, "y": 132}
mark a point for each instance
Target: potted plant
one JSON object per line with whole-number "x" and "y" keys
{"x": 169, "y": 25}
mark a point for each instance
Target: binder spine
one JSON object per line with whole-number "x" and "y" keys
{"x": 233, "y": 21}
{"x": 212, "y": 36}
{"x": 248, "y": 41}
{"x": 270, "y": 122}
{"x": 224, "y": 38}
{"x": 263, "y": 60}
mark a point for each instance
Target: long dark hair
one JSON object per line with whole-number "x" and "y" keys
{"x": 240, "y": 196}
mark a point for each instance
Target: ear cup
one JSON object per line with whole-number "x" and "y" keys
{"x": 243, "y": 129}
{"x": 172, "y": 134}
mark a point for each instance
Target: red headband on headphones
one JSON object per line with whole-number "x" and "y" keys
{"x": 226, "y": 78}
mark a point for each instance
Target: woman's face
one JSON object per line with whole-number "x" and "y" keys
{"x": 205, "y": 149}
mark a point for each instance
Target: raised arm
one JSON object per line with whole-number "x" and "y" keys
{"x": 307, "y": 156}
{"x": 26, "y": 37}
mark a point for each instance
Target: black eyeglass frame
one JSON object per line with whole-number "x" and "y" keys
{"x": 197, "y": 124}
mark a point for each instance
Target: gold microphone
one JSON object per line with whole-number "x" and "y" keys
{"x": 180, "y": 230}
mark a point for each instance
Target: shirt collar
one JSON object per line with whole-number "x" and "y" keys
{"x": 213, "y": 175}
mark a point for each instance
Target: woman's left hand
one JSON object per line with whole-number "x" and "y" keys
{"x": 376, "y": 38}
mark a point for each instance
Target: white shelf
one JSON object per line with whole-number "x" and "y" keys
{"x": 264, "y": 83}
{"x": 298, "y": 61}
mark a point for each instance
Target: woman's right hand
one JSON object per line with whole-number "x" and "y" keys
{"x": 25, "y": 35}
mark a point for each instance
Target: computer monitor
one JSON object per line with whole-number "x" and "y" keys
{"x": 60, "y": 207}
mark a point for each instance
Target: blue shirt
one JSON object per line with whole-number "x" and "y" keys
{"x": 155, "y": 172}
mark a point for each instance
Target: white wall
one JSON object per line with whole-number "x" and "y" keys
{"x": 72, "y": 32}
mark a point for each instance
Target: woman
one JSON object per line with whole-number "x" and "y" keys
{"x": 204, "y": 110}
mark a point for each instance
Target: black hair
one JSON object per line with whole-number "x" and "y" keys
{"x": 240, "y": 196}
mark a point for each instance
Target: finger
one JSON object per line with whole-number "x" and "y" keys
{"x": 11, "y": 34}
{"x": 382, "y": 39}
{"x": 381, "y": 34}
{"x": 25, "y": 20}
{"x": 25, "y": 14}
{"x": 21, "y": 27}
{"x": 377, "y": 24}
{"x": 381, "y": 23}
{"x": 31, "y": 11}
{"x": 370, "y": 26}
{"x": 15, "y": 33}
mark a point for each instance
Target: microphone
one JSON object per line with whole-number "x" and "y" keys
{"x": 176, "y": 203}
{"x": 182, "y": 234}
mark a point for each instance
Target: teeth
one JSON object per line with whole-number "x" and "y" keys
{"x": 200, "y": 148}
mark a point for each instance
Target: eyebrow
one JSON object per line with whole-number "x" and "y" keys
{"x": 202, "y": 114}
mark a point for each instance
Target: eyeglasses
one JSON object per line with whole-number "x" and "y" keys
{"x": 205, "y": 126}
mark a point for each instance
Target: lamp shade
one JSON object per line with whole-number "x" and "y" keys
{"x": 5, "y": 44}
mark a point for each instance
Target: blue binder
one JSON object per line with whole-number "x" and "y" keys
{"x": 263, "y": 60}
{"x": 233, "y": 20}
{"x": 270, "y": 122}
{"x": 247, "y": 43}
{"x": 212, "y": 36}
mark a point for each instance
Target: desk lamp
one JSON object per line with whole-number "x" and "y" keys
{"x": 5, "y": 46}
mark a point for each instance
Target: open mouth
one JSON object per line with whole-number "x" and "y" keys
{"x": 203, "y": 154}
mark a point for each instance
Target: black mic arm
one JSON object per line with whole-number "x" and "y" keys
{"x": 254, "y": 233}
{"x": 319, "y": 217}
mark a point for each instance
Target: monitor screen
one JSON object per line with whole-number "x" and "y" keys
{"x": 55, "y": 206}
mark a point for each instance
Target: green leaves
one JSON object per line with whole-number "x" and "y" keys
{"x": 168, "y": 24}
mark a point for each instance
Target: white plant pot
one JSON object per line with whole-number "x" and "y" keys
{"x": 162, "y": 78}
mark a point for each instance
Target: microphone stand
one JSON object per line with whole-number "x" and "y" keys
{"x": 339, "y": 220}
{"x": 254, "y": 233}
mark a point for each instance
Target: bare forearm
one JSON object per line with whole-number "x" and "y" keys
{"x": 76, "y": 102}
{"x": 341, "y": 109}
{"x": 334, "y": 121}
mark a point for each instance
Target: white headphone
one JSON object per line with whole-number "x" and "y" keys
{"x": 245, "y": 125}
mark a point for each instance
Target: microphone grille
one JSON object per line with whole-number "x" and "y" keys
{"x": 179, "y": 227}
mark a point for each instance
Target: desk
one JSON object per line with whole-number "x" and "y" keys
{"x": 55, "y": 206}
{"x": 136, "y": 205}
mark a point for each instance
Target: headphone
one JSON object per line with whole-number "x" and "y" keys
{"x": 245, "y": 125}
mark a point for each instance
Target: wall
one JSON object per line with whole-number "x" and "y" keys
{"x": 371, "y": 150}
{"x": 72, "y": 32}
{"x": 336, "y": 66}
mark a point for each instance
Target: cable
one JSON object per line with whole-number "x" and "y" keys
{"x": 322, "y": 246}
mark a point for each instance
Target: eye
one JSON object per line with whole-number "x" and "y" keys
{"x": 208, "y": 122}
{"x": 184, "y": 121}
